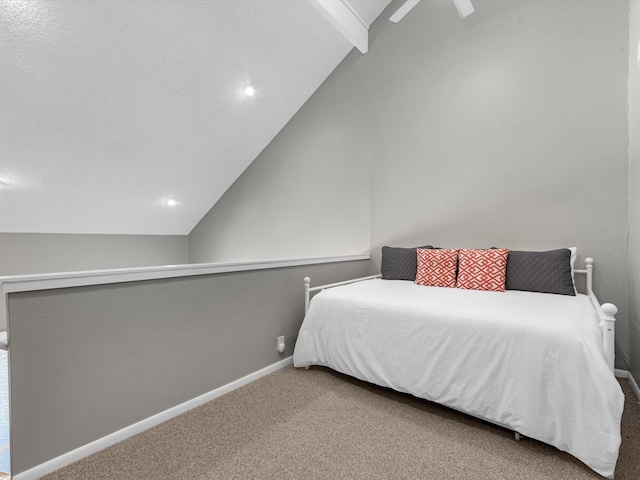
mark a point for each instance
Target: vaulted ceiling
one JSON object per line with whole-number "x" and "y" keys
{"x": 109, "y": 108}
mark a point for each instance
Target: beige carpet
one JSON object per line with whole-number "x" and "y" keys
{"x": 317, "y": 424}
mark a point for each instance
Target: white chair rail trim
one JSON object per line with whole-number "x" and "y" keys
{"x": 47, "y": 281}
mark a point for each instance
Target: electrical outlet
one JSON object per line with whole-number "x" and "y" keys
{"x": 281, "y": 345}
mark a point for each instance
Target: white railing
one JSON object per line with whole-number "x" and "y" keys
{"x": 308, "y": 289}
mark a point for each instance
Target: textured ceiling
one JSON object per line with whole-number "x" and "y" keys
{"x": 108, "y": 108}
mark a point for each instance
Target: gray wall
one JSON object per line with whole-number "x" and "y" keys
{"x": 508, "y": 128}
{"x": 634, "y": 187}
{"x": 307, "y": 193}
{"x": 510, "y": 133}
{"x": 88, "y": 361}
{"x": 27, "y": 253}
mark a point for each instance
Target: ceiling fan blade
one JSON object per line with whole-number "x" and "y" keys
{"x": 464, "y": 7}
{"x": 403, "y": 10}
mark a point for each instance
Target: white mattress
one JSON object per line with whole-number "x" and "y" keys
{"x": 532, "y": 362}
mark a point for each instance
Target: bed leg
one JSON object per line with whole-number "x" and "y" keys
{"x": 518, "y": 436}
{"x": 307, "y": 367}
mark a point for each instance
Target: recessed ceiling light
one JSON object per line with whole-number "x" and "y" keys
{"x": 249, "y": 90}
{"x": 172, "y": 202}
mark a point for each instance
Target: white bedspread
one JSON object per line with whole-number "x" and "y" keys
{"x": 532, "y": 362}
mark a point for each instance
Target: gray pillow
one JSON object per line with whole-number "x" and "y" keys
{"x": 400, "y": 263}
{"x": 544, "y": 272}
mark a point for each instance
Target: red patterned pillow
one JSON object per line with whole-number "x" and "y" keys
{"x": 437, "y": 268}
{"x": 482, "y": 269}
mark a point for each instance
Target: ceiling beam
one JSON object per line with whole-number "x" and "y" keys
{"x": 403, "y": 10}
{"x": 465, "y": 8}
{"x": 347, "y": 21}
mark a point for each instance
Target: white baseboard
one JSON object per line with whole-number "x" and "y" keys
{"x": 632, "y": 381}
{"x": 621, "y": 373}
{"x": 115, "y": 437}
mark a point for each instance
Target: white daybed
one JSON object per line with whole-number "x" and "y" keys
{"x": 537, "y": 363}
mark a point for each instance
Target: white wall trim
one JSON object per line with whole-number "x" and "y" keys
{"x": 632, "y": 381}
{"x": 115, "y": 437}
{"x": 47, "y": 281}
{"x": 621, "y": 373}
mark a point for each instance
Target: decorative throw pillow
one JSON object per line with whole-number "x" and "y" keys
{"x": 399, "y": 263}
{"x": 437, "y": 268}
{"x": 482, "y": 269}
{"x": 544, "y": 272}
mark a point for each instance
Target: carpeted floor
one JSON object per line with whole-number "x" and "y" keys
{"x": 318, "y": 424}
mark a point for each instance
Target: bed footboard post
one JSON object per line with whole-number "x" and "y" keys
{"x": 307, "y": 284}
{"x": 609, "y": 333}
{"x": 589, "y": 262}
{"x": 606, "y": 312}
